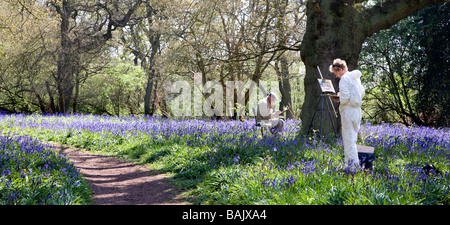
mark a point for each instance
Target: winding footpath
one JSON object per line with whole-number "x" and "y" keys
{"x": 114, "y": 182}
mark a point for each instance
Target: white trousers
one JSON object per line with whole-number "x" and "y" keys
{"x": 351, "y": 122}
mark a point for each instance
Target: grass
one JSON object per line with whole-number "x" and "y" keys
{"x": 227, "y": 162}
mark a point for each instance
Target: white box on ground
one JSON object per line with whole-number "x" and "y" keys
{"x": 365, "y": 149}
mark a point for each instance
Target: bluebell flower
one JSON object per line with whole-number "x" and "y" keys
{"x": 291, "y": 180}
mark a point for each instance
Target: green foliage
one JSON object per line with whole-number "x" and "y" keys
{"x": 404, "y": 70}
{"x": 432, "y": 27}
{"x": 238, "y": 167}
{"x": 118, "y": 90}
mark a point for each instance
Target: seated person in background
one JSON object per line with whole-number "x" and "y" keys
{"x": 267, "y": 114}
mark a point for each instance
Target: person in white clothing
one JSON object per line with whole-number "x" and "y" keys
{"x": 267, "y": 114}
{"x": 350, "y": 97}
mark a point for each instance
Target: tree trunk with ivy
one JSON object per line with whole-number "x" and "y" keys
{"x": 337, "y": 29}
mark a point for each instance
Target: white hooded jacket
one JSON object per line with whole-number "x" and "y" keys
{"x": 352, "y": 93}
{"x": 351, "y": 90}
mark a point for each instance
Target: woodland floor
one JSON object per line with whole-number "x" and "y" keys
{"x": 115, "y": 182}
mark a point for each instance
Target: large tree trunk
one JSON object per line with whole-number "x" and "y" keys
{"x": 329, "y": 34}
{"x": 154, "y": 39}
{"x": 64, "y": 76}
{"x": 337, "y": 29}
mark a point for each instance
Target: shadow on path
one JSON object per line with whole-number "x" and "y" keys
{"x": 114, "y": 182}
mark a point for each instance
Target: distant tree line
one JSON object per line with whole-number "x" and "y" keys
{"x": 119, "y": 57}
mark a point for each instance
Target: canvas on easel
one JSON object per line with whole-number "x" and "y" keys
{"x": 327, "y": 91}
{"x": 326, "y": 86}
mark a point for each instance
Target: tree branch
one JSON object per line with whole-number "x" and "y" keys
{"x": 113, "y": 23}
{"x": 387, "y": 13}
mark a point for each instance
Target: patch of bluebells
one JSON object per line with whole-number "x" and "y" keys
{"x": 31, "y": 173}
{"x": 287, "y": 159}
{"x": 422, "y": 141}
{"x": 191, "y": 132}
{"x": 418, "y": 140}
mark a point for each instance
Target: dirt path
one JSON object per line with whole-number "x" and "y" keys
{"x": 114, "y": 182}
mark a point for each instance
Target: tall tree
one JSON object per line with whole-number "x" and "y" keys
{"x": 337, "y": 29}
{"x": 285, "y": 29}
{"x": 26, "y": 49}
{"x": 91, "y": 34}
{"x": 407, "y": 64}
{"x": 144, "y": 44}
{"x": 434, "y": 95}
